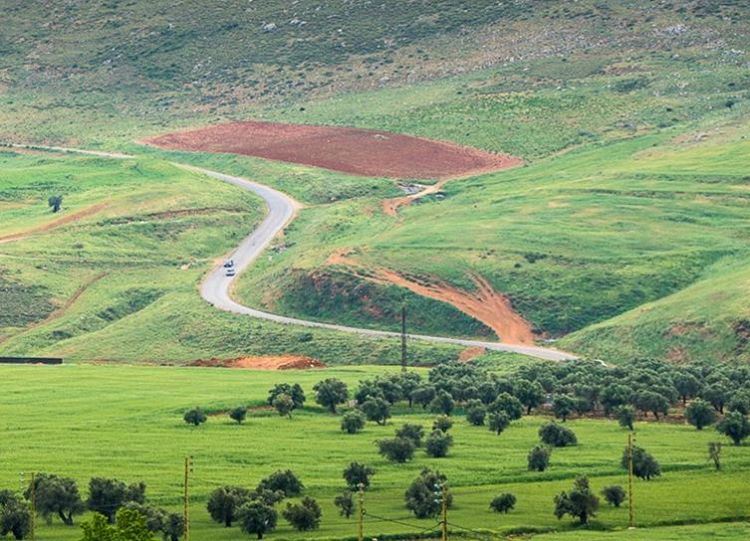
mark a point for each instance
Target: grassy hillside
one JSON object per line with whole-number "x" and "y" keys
{"x": 114, "y": 275}
{"x": 100, "y": 404}
{"x": 631, "y": 116}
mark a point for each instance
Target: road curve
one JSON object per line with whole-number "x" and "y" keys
{"x": 216, "y": 287}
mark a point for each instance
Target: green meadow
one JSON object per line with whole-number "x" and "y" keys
{"x": 126, "y": 422}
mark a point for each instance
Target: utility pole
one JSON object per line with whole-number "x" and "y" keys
{"x": 444, "y": 512}
{"x": 32, "y": 501}
{"x": 631, "y": 510}
{"x": 186, "y": 496}
{"x": 403, "y": 336}
{"x": 361, "y": 513}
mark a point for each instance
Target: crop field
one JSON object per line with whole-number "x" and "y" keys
{"x": 136, "y": 411}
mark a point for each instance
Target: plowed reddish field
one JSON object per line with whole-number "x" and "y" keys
{"x": 350, "y": 150}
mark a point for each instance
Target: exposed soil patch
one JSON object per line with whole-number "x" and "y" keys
{"x": 470, "y": 354}
{"x": 54, "y": 224}
{"x": 485, "y": 305}
{"x": 279, "y": 362}
{"x": 351, "y": 150}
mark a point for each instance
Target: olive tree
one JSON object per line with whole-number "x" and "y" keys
{"x": 580, "y": 503}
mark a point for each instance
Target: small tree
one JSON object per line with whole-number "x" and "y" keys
{"x": 530, "y": 393}
{"x": 54, "y": 495}
{"x": 507, "y": 404}
{"x": 55, "y": 203}
{"x": 303, "y": 516}
{"x": 503, "y": 503}
{"x": 353, "y": 421}
{"x": 195, "y": 417}
{"x": 345, "y": 503}
{"x": 563, "y": 406}
{"x": 626, "y": 416}
{"x": 331, "y": 392}
{"x": 614, "y": 495}
{"x": 442, "y": 403}
{"x": 476, "y": 412}
{"x": 107, "y": 496}
{"x": 687, "y": 386}
{"x": 580, "y": 503}
{"x": 15, "y": 516}
{"x": 396, "y": 449}
{"x": 411, "y": 432}
{"x": 438, "y": 443}
{"x": 423, "y": 395}
{"x": 238, "y": 414}
{"x": 224, "y": 503}
{"x": 282, "y": 481}
{"x": 257, "y": 518}
{"x": 714, "y": 454}
{"x": 735, "y": 426}
{"x": 645, "y": 466}
{"x": 295, "y": 391}
{"x": 498, "y": 422}
{"x": 424, "y": 495}
{"x": 538, "y": 458}
{"x": 700, "y": 414}
{"x": 356, "y": 474}
{"x": 376, "y": 409}
{"x": 284, "y": 405}
{"x": 443, "y": 422}
{"x": 651, "y": 401}
{"x": 557, "y": 436}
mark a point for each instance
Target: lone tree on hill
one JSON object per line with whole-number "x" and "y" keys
{"x": 499, "y": 422}
{"x": 614, "y": 495}
{"x": 353, "y": 421}
{"x": 107, "y": 496}
{"x": 55, "y": 203}
{"x": 257, "y": 518}
{"x": 195, "y": 417}
{"x": 411, "y": 432}
{"x": 734, "y": 425}
{"x": 557, "y": 436}
{"x": 580, "y": 502}
{"x": 700, "y": 414}
{"x": 303, "y": 516}
{"x": 396, "y": 449}
{"x": 284, "y": 405}
{"x": 626, "y": 416}
{"x": 224, "y": 503}
{"x": 15, "y": 516}
{"x": 376, "y": 409}
{"x": 345, "y": 503}
{"x": 503, "y": 503}
{"x": 331, "y": 392}
{"x": 645, "y": 466}
{"x": 538, "y": 458}
{"x": 357, "y": 474}
{"x": 238, "y": 414}
{"x": 424, "y": 495}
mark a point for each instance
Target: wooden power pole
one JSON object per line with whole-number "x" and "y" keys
{"x": 361, "y": 513}
{"x": 444, "y": 512}
{"x": 631, "y": 510}
{"x": 186, "y": 496}
{"x": 403, "y": 337}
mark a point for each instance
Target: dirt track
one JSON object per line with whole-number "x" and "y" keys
{"x": 351, "y": 150}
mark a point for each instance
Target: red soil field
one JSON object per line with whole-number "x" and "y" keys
{"x": 350, "y": 150}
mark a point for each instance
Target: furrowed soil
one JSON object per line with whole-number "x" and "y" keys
{"x": 370, "y": 153}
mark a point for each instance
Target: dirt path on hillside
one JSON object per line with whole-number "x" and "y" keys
{"x": 485, "y": 305}
{"x": 54, "y": 224}
{"x": 391, "y": 206}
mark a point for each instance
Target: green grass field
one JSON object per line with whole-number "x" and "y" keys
{"x": 126, "y": 422}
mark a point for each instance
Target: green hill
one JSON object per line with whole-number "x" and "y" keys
{"x": 632, "y": 119}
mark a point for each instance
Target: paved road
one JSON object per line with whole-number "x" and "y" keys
{"x": 216, "y": 287}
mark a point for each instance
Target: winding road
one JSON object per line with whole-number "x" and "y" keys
{"x": 216, "y": 287}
